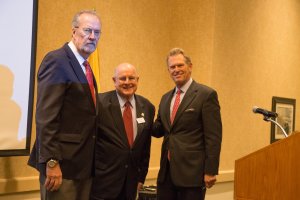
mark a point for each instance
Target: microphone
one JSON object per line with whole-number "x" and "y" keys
{"x": 264, "y": 112}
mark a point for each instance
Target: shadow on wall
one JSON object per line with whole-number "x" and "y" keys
{"x": 10, "y": 111}
{"x": 10, "y": 114}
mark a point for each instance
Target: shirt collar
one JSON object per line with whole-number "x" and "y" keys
{"x": 122, "y": 100}
{"x": 185, "y": 87}
{"x": 79, "y": 58}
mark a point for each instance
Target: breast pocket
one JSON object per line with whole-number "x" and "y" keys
{"x": 190, "y": 115}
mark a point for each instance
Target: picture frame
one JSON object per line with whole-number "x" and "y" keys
{"x": 286, "y": 109}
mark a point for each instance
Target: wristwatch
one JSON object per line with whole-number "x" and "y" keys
{"x": 52, "y": 163}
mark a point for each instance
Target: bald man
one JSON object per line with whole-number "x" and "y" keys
{"x": 124, "y": 138}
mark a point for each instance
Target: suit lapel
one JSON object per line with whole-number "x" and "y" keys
{"x": 96, "y": 92}
{"x": 96, "y": 95}
{"x": 187, "y": 99}
{"x": 166, "y": 108}
{"x": 140, "y": 113}
{"x": 80, "y": 74}
{"x": 116, "y": 114}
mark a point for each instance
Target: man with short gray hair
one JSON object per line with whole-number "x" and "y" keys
{"x": 66, "y": 115}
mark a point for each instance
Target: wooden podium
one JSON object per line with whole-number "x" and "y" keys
{"x": 271, "y": 173}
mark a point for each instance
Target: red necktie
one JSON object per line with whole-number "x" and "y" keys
{"x": 127, "y": 119}
{"x": 175, "y": 106}
{"x": 89, "y": 77}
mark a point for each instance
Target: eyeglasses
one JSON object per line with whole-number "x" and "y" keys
{"x": 89, "y": 31}
{"x": 130, "y": 79}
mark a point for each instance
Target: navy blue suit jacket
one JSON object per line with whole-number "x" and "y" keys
{"x": 65, "y": 116}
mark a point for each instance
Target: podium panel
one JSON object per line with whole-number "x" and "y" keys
{"x": 271, "y": 173}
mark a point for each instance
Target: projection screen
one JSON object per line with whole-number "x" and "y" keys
{"x": 18, "y": 22}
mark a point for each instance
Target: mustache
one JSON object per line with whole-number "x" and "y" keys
{"x": 91, "y": 43}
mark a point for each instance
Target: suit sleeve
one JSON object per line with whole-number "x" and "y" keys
{"x": 144, "y": 165}
{"x": 212, "y": 133}
{"x": 158, "y": 129}
{"x": 50, "y": 96}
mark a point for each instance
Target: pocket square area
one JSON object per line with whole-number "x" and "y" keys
{"x": 190, "y": 110}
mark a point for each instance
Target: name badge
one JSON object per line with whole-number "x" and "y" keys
{"x": 140, "y": 120}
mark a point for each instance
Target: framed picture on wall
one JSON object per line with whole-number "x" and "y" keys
{"x": 285, "y": 108}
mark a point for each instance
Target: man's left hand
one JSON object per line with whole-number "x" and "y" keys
{"x": 140, "y": 186}
{"x": 209, "y": 180}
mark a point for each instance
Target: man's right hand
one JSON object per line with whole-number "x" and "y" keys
{"x": 53, "y": 178}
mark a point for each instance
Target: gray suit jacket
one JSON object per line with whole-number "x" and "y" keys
{"x": 194, "y": 138}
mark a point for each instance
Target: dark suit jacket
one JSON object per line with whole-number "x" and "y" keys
{"x": 65, "y": 116}
{"x": 194, "y": 138}
{"x": 116, "y": 163}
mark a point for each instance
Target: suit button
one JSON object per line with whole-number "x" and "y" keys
{"x": 126, "y": 166}
{"x": 93, "y": 137}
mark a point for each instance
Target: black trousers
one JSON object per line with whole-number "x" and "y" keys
{"x": 168, "y": 191}
{"x": 123, "y": 195}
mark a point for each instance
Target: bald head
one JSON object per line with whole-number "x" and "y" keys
{"x": 125, "y": 80}
{"x": 124, "y": 67}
